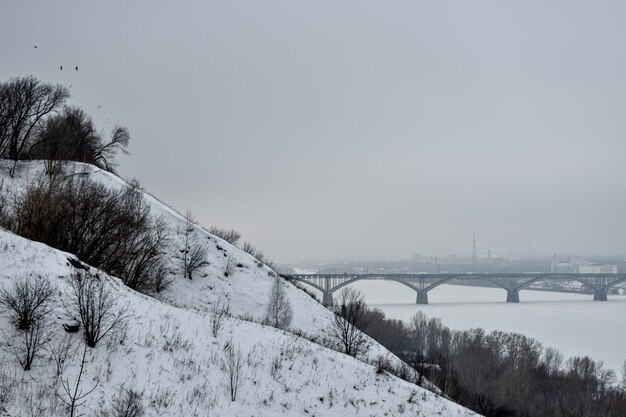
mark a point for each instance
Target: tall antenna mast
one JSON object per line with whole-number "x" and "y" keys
{"x": 474, "y": 253}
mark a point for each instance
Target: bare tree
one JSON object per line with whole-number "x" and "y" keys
{"x": 70, "y": 135}
{"x": 279, "y": 313}
{"x": 230, "y": 235}
{"x": 95, "y": 307}
{"x": 552, "y": 360}
{"x": 105, "y": 155}
{"x": 194, "y": 254}
{"x": 219, "y": 311}
{"x": 233, "y": 363}
{"x": 74, "y": 396}
{"x": 349, "y": 320}
{"x": 417, "y": 328}
{"x": 30, "y": 299}
{"x": 25, "y": 103}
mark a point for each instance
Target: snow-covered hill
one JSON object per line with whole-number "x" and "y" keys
{"x": 168, "y": 352}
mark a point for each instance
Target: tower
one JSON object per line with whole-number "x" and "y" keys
{"x": 474, "y": 253}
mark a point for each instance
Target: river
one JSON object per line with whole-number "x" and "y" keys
{"x": 572, "y": 323}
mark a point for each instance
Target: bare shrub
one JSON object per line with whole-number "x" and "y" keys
{"x": 233, "y": 364}
{"x": 29, "y": 343}
{"x": 194, "y": 253}
{"x": 6, "y": 388}
{"x": 219, "y": 311}
{"x": 279, "y": 313}
{"x": 143, "y": 268}
{"x": 60, "y": 352}
{"x": 229, "y": 267}
{"x": 383, "y": 365}
{"x": 230, "y": 235}
{"x": 128, "y": 403}
{"x": 5, "y": 216}
{"x": 162, "y": 278}
{"x": 95, "y": 307}
{"x": 250, "y": 249}
{"x": 350, "y": 316}
{"x": 110, "y": 230}
{"x": 303, "y": 288}
{"x": 30, "y": 299}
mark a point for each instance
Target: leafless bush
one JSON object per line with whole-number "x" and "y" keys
{"x": 143, "y": 268}
{"x": 194, "y": 253}
{"x": 230, "y": 235}
{"x": 110, "y": 230}
{"x": 252, "y": 250}
{"x": 95, "y": 307}
{"x": 162, "y": 278}
{"x": 304, "y": 288}
{"x": 350, "y": 316}
{"x": 260, "y": 257}
{"x": 60, "y": 352}
{"x": 128, "y": 403}
{"x": 6, "y": 388}
{"x": 229, "y": 267}
{"x": 383, "y": 365}
{"x": 29, "y": 343}
{"x": 30, "y": 299}
{"x": 233, "y": 363}
{"x": 219, "y": 311}
{"x": 5, "y": 217}
{"x": 279, "y": 313}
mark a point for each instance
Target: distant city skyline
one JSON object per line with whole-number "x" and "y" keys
{"x": 356, "y": 129}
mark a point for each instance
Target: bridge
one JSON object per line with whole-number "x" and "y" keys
{"x": 600, "y": 284}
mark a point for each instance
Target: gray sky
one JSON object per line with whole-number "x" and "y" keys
{"x": 353, "y": 129}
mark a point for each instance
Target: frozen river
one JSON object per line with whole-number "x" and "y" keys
{"x": 574, "y": 324}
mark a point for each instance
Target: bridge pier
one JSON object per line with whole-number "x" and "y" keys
{"x": 422, "y": 297}
{"x": 327, "y": 299}
{"x": 599, "y": 295}
{"x": 512, "y": 296}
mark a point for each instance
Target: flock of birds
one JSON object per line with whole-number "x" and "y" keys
{"x": 75, "y": 69}
{"x": 60, "y": 67}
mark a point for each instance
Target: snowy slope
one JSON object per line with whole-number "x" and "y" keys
{"x": 307, "y": 379}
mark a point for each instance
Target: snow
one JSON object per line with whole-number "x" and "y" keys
{"x": 170, "y": 355}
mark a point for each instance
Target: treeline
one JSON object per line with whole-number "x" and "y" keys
{"x": 500, "y": 374}
{"x": 37, "y": 123}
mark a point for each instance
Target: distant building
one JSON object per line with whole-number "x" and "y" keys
{"x": 580, "y": 266}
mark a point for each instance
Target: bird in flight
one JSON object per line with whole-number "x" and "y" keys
{"x": 35, "y": 46}
{"x": 61, "y": 68}
{"x": 76, "y": 67}
{"x": 99, "y": 106}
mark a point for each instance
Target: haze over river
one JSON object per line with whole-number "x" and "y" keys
{"x": 572, "y": 323}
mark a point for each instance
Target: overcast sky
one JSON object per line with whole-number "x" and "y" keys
{"x": 356, "y": 129}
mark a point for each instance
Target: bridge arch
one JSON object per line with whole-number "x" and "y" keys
{"x": 618, "y": 281}
{"x": 571, "y": 277}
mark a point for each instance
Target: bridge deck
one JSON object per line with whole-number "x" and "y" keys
{"x": 598, "y": 284}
